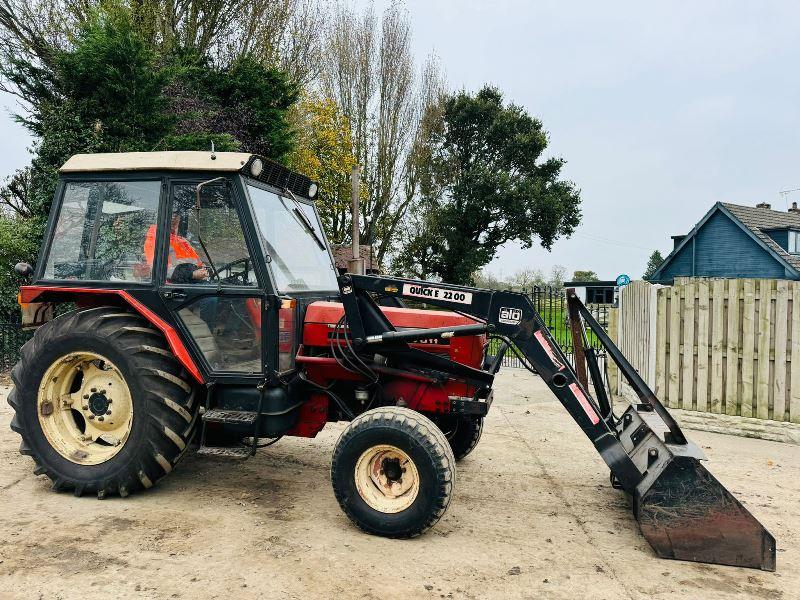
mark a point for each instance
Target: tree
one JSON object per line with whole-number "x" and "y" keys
{"x": 324, "y": 152}
{"x": 487, "y": 281}
{"x": 527, "y": 279}
{"x": 285, "y": 34}
{"x": 491, "y": 187}
{"x": 241, "y": 106}
{"x": 557, "y": 274}
{"x": 368, "y": 69}
{"x": 19, "y": 240}
{"x": 585, "y": 276}
{"x": 653, "y": 263}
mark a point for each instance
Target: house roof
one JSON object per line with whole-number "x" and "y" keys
{"x": 342, "y": 253}
{"x": 759, "y": 220}
{"x": 156, "y": 161}
{"x": 755, "y": 221}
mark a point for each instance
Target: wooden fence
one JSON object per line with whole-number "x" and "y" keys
{"x": 727, "y": 346}
{"x": 636, "y": 330}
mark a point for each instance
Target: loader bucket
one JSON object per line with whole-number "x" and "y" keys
{"x": 687, "y": 514}
{"x": 682, "y": 510}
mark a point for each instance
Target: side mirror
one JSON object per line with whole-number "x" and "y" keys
{"x": 23, "y": 269}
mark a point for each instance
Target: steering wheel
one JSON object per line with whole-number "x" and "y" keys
{"x": 236, "y": 278}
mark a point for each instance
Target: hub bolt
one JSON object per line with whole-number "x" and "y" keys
{"x": 86, "y": 396}
{"x": 101, "y": 418}
{"x": 108, "y": 412}
{"x": 84, "y": 407}
{"x": 91, "y": 417}
{"x": 93, "y": 390}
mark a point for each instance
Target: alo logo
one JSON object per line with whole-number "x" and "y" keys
{"x": 510, "y": 316}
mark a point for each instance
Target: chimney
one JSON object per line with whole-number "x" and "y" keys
{"x": 676, "y": 240}
{"x": 763, "y": 205}
{"x": 794, "y": 208}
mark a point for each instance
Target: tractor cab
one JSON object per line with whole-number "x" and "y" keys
{"x": 207, "y": 241}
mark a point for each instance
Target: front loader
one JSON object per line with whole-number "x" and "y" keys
{"x": 206, "y": 309}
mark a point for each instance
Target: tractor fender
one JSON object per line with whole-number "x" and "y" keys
{"x": 30, "y": 293}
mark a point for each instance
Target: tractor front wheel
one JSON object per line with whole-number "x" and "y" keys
{"x": 393, "y": 472}
{"x": 101, "y": 404}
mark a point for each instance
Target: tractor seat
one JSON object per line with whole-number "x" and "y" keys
{"x": 202, "y": 336}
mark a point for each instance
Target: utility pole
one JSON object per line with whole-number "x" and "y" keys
{"x": 356, "y": 264}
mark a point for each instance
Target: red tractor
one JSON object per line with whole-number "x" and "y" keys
{"x": 202, "y": 299}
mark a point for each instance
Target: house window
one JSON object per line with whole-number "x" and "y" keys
{"x": 794, "y": 242}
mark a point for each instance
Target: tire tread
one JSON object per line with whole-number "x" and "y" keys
{"x": 428, "y": 434}
{"x": 170, "y": 397}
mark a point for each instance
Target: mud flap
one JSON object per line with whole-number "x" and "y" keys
{"x": 687, "y": 514}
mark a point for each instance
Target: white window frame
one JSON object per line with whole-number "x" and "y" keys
{"x": 793, "y": 242}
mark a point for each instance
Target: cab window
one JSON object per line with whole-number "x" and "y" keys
{"x": 207, "y": 245}
{"x": 101, "y": 231}
{"x": 291, "y": 233}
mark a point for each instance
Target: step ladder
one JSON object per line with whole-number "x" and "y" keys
{"x": 230, "y": 417}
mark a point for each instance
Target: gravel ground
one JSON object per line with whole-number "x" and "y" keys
{"x": 532, "y": 516}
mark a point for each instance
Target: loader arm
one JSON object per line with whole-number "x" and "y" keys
{"x": 683, "y": 511}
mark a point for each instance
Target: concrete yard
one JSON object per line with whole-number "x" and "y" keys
{"x": 533, "y": 516}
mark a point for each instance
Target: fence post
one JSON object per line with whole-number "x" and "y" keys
{"x": 613, "y": 333}
{"x": 652, "y": 313}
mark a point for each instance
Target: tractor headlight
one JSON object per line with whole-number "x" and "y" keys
{"x": 256, "y": 167}
{"x": 312, "y": 190}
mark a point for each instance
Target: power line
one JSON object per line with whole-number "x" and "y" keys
{"x": 605, "y": 240}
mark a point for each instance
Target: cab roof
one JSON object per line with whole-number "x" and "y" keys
{"x": 156, "y": 161}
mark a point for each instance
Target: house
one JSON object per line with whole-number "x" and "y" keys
{"x": 342, "y": 253}
{"x": 737, "y": 241}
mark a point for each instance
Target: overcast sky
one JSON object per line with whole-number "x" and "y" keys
{"x": 660, "y": 111}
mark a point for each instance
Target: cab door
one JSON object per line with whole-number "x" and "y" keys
{"x": 210, "y": 281}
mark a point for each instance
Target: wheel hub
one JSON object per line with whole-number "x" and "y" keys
{"x": 85, "y": 408}
{"x": 387, "y": 479}
{"x": 98, "y": 403}
{"x": 392, "y": 469}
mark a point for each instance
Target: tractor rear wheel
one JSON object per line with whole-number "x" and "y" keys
{"x": 463, "y": 433}
{"x": 393, "y": 472}
{"x": 102, "y": 405}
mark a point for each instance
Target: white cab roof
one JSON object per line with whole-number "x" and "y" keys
{"x": 156, "y": 161}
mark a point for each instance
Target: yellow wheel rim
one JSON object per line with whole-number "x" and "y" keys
{"x": 84, "y": 408}
{"x": 387, "y": 479}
